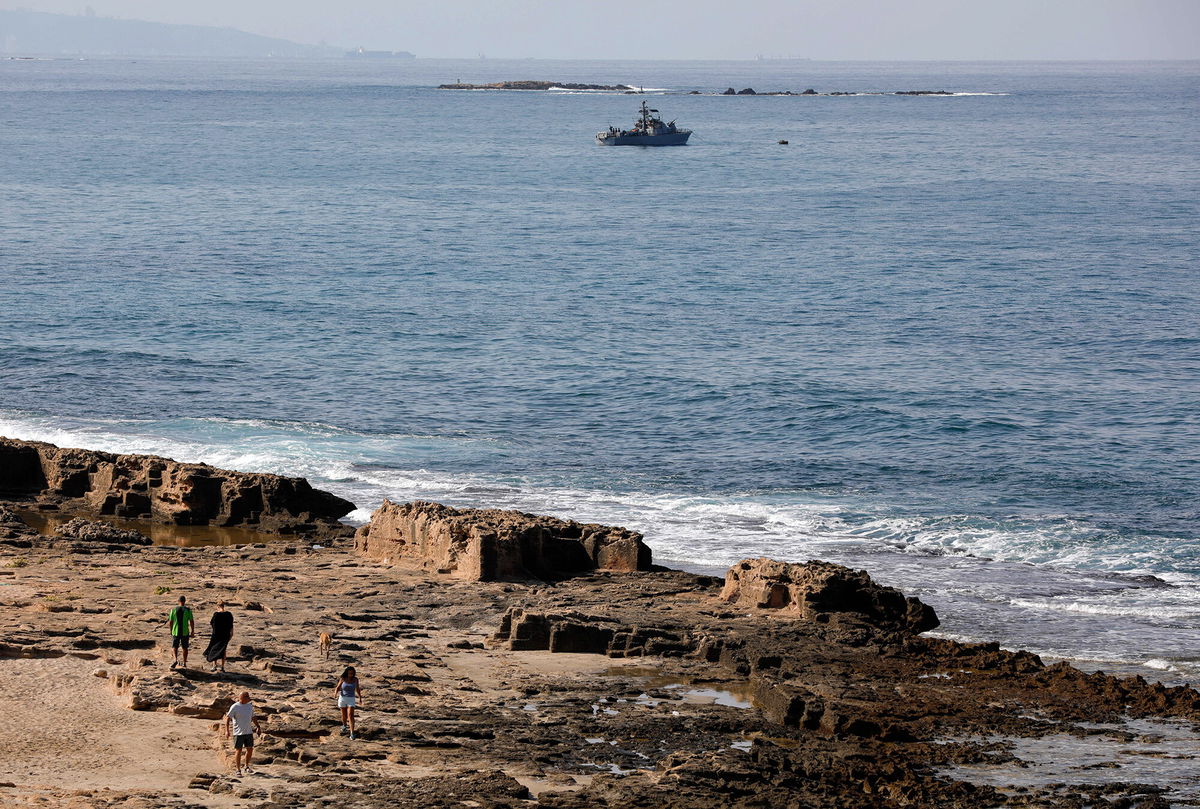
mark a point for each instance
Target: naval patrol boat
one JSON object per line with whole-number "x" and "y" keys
{"x": 648, "y": 130}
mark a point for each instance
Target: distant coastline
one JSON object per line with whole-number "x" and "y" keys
{"x": 25, "y": 33}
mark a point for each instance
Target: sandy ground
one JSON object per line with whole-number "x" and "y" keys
{"x": 65, "y": 729}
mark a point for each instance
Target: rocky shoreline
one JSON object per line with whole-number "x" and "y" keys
{"x": 512, "y": 660}
{"x": 541, "y": 85}
{"x": 536, "y": 85}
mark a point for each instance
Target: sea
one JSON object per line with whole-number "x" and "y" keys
{"x": 951, "y": 339}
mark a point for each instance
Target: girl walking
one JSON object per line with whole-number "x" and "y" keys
{"x": 348, "y": 695}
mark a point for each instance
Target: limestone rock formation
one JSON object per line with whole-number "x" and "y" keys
{"x": 89, "y": 531}
{"x": 525, "y": 630}
{"x": 817, "y": 589}
{"x": 494, "y": 545}
{"x": 701, "y": 704}
{"x": 162, "y": 490}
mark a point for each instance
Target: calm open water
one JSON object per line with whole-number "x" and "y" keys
{"x": 954, "y": 340}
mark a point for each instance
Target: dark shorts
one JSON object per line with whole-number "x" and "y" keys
{"x": 180, "y": 640}
{"x": 243, "y": 740}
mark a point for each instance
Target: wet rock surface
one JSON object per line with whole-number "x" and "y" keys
{"x": 12, "y": 527}
{"x": 636, "y": 689}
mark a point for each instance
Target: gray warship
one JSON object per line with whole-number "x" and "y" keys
{"x": 648, "y": 130}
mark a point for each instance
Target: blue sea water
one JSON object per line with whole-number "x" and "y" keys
{"x": 954, "y": 340}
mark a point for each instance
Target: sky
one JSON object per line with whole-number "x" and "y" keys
{"x": 699, "y": 29}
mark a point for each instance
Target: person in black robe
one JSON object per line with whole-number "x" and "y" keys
{"x": 222, "y": 633}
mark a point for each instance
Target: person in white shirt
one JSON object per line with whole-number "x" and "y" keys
{"x": 245, "y": 725}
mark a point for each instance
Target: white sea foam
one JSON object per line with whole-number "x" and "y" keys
{"x": 938, "y": 557}
{"x": 1121, "y": 605}
{"x": 577, "y": 91}
{"x": 1161, "y": 665}
{"x": 360, "y": 516}
{"x": 707, "y": 530}
{"x": 1048, "y": 540}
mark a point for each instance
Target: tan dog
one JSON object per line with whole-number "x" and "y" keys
{"x": 326, "y": 643}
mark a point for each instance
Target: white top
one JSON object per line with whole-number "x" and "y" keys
{"x": 242, "y": 713}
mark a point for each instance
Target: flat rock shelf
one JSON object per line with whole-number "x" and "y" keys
{"x": 510, "y": 660}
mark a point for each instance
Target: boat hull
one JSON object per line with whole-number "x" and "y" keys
{"x": 666, "y": 139}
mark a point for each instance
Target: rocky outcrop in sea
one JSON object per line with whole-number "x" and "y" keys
{"x": 534, "y": 85}
{"x": 146, "y": 487}
{"x": 529, "y": 84}
{"x": 495, "y": 545}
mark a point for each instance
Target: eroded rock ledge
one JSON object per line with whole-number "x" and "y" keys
{"x": 495, "y": 545}
{"x": 818, "y": 589}
{"x": 840, "y": 705}
{"x": 147, "y": 487}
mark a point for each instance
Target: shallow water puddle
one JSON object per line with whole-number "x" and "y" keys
{"x": 718, "y": 696}
{"x": 614, "y": 769}
{"x": 738, "y": 695}
{"x": 184, "y": 536}
{"x": 1164, "y": 753}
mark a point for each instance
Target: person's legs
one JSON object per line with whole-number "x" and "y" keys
{"x": 345, "y": 718}
{"x": 222, "y": 662}
{"x": 350, "y": 710}
{"x": 175, "y": 649}
{"x": 183, "y": 641}
{"x": 249, "y": 755}
{"x": 237, "y": 759}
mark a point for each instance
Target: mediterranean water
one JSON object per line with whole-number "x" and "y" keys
{"x": 954, "y": 340}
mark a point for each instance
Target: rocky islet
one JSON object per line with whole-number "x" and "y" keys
{"x": 568, "y": 670}
{"x": 543, "y": 85}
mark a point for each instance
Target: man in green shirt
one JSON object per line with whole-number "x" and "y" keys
{"x": 183, "y": 626}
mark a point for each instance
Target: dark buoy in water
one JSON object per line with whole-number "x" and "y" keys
{"x": 783, "y": 143}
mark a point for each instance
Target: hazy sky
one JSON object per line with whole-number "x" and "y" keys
{"x": 700, "y": 29}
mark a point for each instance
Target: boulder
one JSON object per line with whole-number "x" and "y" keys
{"x": 816, "y": 590}
{"x": 89, "y": 531}
{"x": 494, "y": 545}
{"x": 729, "y": 92}
{"x": 147, "y": 487}
{"x": 748, "y": 91}
{"x": 12, "y": 527}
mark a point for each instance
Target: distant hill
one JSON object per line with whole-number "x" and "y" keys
{"x": 34, "y": 33}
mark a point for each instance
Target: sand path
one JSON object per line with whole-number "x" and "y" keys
{"x": 63, "y": 728}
